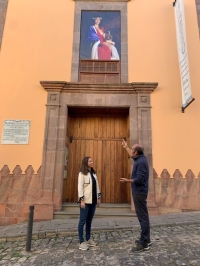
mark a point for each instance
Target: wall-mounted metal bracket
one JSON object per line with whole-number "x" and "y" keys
{"x": 183, "y": 108}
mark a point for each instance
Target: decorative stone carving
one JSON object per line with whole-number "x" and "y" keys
{"x": 143, "y": 100}
{"x": 52, "y": 97}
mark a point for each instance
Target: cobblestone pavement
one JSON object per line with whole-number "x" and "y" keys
{"x": 171, "y": 245}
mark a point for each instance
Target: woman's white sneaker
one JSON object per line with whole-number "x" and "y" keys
{"x": 83, "y": 246}
{"x": 91, "y": 243}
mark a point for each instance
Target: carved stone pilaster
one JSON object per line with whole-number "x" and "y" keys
{"x": 145, "y": 138}
{"x": 50, "y": 145}
{"x": 53, "y": 99}
{"x": 49, "y": 151}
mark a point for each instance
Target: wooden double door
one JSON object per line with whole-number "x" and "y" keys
{"x": 99, "y": 137}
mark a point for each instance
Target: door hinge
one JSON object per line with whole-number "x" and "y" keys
{"x": 70, "y": 139}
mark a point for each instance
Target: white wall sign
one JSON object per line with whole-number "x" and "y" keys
{"x": 16, "y": 132}
{"x": 182, "y": 52}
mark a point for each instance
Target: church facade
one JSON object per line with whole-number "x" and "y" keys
{"x": 79, "y": 76}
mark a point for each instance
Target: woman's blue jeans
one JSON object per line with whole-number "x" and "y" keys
{"x": 86, "y": 216}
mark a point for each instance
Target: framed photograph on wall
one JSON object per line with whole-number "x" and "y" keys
{"x": 100, "y": 35}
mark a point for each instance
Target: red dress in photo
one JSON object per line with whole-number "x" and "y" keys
{"x": 104, "y": 52}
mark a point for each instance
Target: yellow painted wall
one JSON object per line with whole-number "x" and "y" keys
{"x": 153, "y": 57}
{"x": 37, "y": 45}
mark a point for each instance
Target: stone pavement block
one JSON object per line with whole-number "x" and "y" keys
{"x": 65, "y": 221}
{"x": 2, "y": 234}
{"x": 47, "y": 227}
{"x": 100, "y": 224}
{"x": 41, "y": 234}
{"x": 19, "y": 238}
{"x": 62, "y": 233}
{"x": 164, "y": 260}
{"x": 181, "y": 262}
{"x": 2, "y": 262}
{"x": 14, "y": 232}
{"x": 112, "y": 223}
{"x": 51, "y": 234}
{"x": 124, "y": 223}
{"x": 195, "y": 262}
{"x": 37, "y": 226}
{"x": 156, "y": 220}
{"x": 67, "y": 226}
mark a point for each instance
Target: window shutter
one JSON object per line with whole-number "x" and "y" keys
{"x": 99, "y": 71}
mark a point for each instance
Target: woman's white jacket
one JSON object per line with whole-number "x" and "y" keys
{"x": 85, "y": 187}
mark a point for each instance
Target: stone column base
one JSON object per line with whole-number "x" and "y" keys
{"x": 43, "y": 212}
{"x": 152, "y": 208}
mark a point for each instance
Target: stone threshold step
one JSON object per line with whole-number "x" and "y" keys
{"x": 103, "y": 205}
{"x": 125, "y": 214}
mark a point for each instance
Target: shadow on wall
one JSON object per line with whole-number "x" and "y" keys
{"x": 176, "y": 193}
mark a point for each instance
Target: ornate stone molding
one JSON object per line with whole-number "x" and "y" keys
{"x": 53, "y": 85}
{"x": 53, "y": 99}
{"x": 63, "y": 95}
{"x": 50, "y": 145}
{"x": 120, "y": 88}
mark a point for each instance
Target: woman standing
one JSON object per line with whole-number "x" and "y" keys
{"x": 89, "y": 197}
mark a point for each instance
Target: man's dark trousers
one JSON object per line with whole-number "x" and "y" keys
{"x": 140, "y": 202}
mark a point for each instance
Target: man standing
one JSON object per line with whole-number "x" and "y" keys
{"x": 139, "y": 186}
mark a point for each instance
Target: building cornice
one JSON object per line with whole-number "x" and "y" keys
{"x": 119, "y": 88}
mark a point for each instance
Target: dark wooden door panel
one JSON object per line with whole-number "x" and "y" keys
{"x": 100, "y": 138}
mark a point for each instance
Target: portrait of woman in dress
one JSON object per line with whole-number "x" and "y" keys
{"x": 103, "y": 47}
{"x": 100, "y": 35}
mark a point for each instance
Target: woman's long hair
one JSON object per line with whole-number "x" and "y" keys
{"x": 84, "y": 166}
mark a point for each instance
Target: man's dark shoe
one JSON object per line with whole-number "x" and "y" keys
{"x": 148, "y": 242}
{"x": 140, "y": 248}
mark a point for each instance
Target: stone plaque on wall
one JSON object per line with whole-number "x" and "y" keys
{"x": 16, "y": 132}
